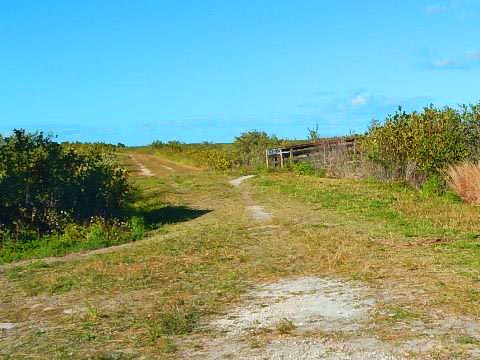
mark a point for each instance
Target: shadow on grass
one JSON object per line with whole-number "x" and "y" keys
{"x": 170, "y": 215}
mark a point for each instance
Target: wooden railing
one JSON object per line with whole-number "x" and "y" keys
{"x": 319, "y": 151}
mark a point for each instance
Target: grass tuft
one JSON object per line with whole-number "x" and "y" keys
{"x": 285, "y": 326}
{"x": 464, "y": 179}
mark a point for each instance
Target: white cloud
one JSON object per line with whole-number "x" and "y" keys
{"x": 359, "y": 100}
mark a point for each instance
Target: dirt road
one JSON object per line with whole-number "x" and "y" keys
{"x": 151, "y": 165}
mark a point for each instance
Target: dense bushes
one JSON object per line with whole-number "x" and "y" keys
{"x": 415, "y": 146}
{"x": 45, "y": 185}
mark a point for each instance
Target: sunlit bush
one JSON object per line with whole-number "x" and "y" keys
{"x": 415, "y": 146}
{"x": 45, "y": 185}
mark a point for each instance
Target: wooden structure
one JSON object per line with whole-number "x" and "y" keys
{"x": 319, "y": 151}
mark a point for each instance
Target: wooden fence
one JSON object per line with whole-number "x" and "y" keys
{"x": 320, "y": 151}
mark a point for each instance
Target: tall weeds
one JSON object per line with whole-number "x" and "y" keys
{"x": 464, "y": 179}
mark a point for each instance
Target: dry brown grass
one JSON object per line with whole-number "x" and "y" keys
{"x": 464, "y": 179}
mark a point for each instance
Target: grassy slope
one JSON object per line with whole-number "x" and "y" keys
{"x": 380, "y": 231}
{"x": 144, "y": 299}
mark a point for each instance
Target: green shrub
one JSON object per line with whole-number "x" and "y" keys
{"x": 215, "y": 156}
{"x": 247, "y": 151}
{"x": 415, "y": 146}
{"x": 45, "y": 185}
{"x": 137, "y": 227}
{"x": 305, "y": 168}
{"x": 96, "y": 236}
{"x": 433, "y": 186}
{"x": 250, "y": 147}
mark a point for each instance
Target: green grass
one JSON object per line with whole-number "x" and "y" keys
{"x": 76, "y": 238}
{"x": 389, "y": 204}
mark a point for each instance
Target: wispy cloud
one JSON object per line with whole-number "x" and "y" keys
{"x": 435, "y": 9}
{"x": 448, "y": 64}
{"x": 473, "y": 55}
{"x": 355, "y": 110}
{"x": 464, "y": 10}
{"x": 469, "y": 60}
{"x": 431, "y": 60}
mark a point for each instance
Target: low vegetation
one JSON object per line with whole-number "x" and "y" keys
{"x": 152, "y": 298}
{"x": 56, "y": 198}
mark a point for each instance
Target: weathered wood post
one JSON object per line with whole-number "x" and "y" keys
{"x": 291, "y": 156}
{"x": 324, "y": 154}
{"x": 281, "y": 158}
{"x": 266, "y": 157}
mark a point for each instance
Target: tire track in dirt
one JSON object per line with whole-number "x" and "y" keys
{"x": 158, "y": 166}
{"x": 256, "y": 212}
{"x": 143, "y": 170}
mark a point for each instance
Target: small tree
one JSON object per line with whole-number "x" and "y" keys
{"x": 313, "y": 134}
{"x": 250, "y": 147}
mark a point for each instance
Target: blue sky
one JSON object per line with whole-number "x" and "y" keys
{"x": 135, "y": 71}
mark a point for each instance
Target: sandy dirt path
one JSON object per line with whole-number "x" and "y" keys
{"x": 256, "y": 212}
{"x": 152, "y": 165}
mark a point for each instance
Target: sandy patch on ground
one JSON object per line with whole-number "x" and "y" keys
{"x": 326, "y": 318}
{"x": 309, "y": 305}
{"x": 307, "y": 302}
{"x": 238, "y": 181}
{"x": 257, "y": 213}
